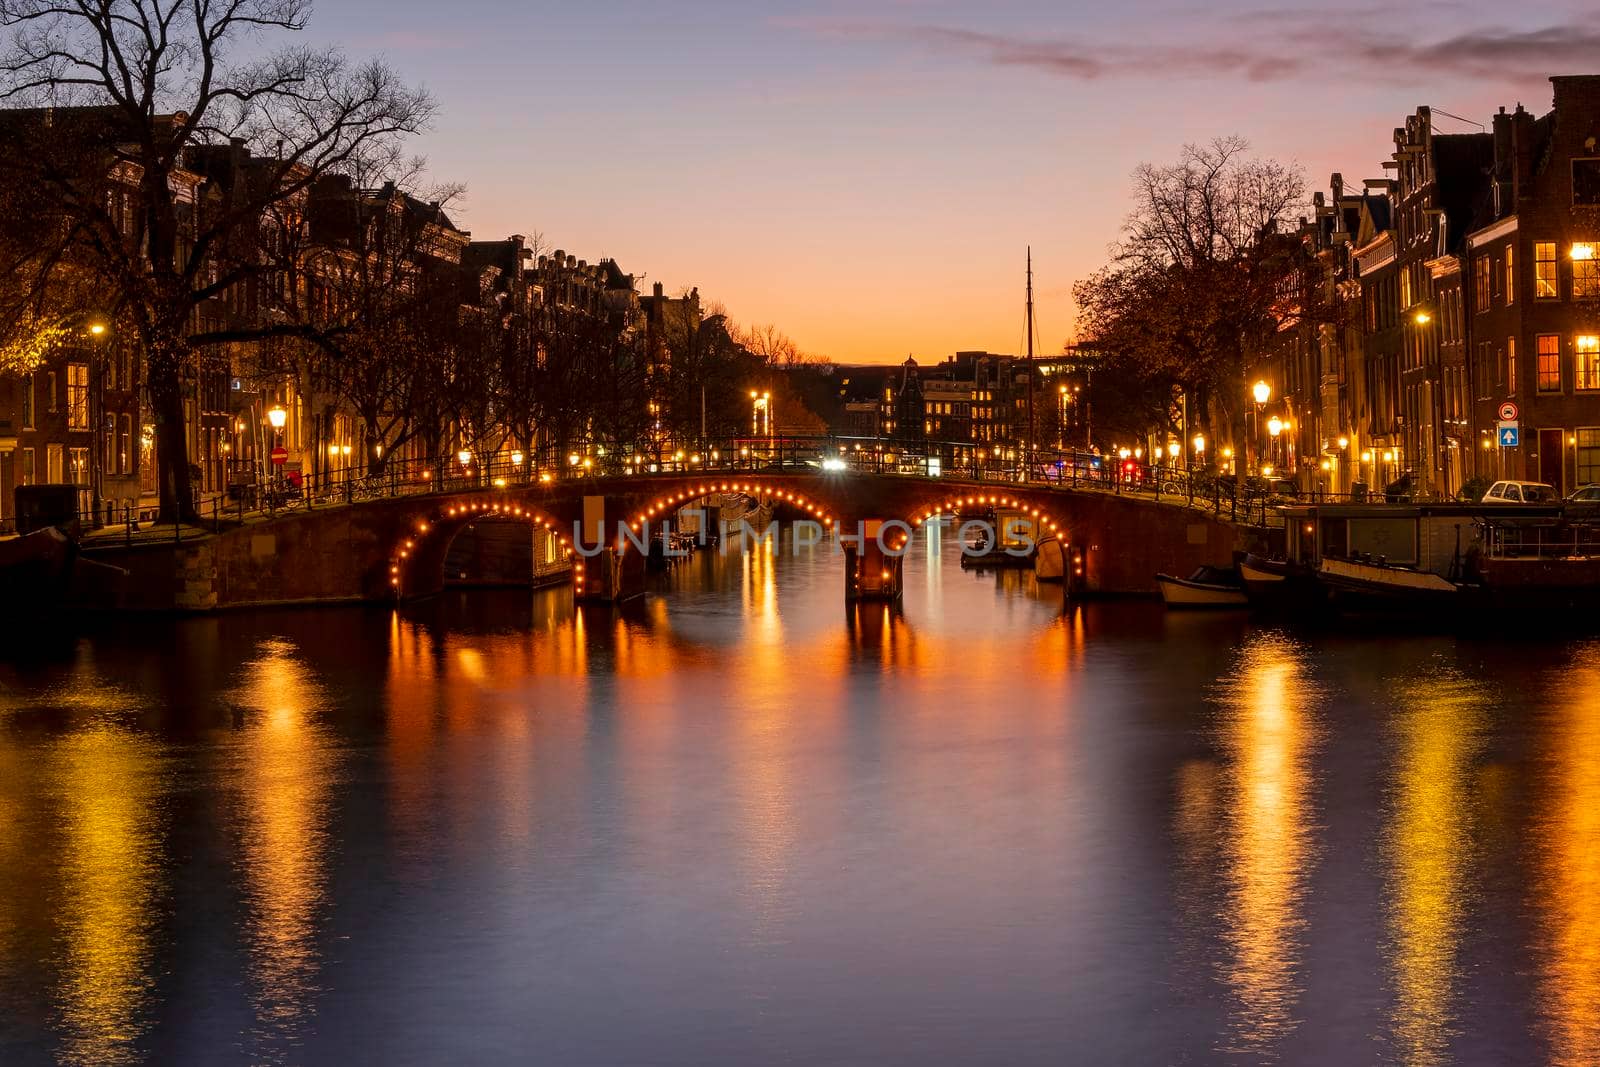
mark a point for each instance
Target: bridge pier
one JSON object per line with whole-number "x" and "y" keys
{"x": 608, "y": 576}
{"x": 603, "y": 569}
{"x": 870, "y": 572}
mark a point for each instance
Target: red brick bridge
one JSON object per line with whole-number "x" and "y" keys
{"x": 394, "y": 548}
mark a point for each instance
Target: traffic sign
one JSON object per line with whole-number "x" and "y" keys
{"x": 1508, "y": 411}
{"x": 1509, "y": 435}
{"x": 280, "y": 455}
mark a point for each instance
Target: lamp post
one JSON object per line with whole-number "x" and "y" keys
{"x": 1274, "y": 430}
{"x": 98, "y": 332}
{"x": 277, "y": 418}
{"x": 1199, "y": 443}
{"x": 1262, "y": 392}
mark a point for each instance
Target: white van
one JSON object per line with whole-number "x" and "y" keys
{"x": 1521, "y": 493}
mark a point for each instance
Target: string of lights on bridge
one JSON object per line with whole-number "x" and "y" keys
{"x": 669, "y": 503}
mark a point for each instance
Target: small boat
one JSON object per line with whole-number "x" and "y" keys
{"x": 1207, "y": 587}
{"x": 1275, "y": 585}
{"x": 1358, "y": 584}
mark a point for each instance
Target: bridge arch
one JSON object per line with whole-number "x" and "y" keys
{"x": 670, "y": 500}
{"x": 416, "y": 559}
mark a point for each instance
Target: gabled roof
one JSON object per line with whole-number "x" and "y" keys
{"x": 1463, "y": 166}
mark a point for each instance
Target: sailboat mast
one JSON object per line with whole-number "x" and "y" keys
{"x": 1028, "y": 445}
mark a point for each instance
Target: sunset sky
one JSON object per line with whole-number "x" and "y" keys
{"x": 867, "y": 174}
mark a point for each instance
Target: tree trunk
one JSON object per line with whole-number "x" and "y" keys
{"x": 166, "y": 359}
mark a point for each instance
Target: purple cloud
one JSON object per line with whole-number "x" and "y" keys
{"x": 1275, "y": 49}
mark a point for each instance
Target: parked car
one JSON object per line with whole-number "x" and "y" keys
{"x": 1583, "y": 502}
{"x": 1509, "y": 492}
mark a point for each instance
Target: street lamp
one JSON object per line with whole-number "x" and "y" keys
{"x": 277, "y": 418}
{"x": 465, "y": 457}
{"x": 1261, "y": 392}
{"x": 95, "y": 419}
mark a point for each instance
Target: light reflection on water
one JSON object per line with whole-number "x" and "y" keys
{"x": 742, "y": 823}
{"x": 105, "y": 780}
{"x": 286, "y": 765}
{"x": 1429, "y": 850}
{"x": 1267, "y": 731}
{"x": 1567, "y": 835}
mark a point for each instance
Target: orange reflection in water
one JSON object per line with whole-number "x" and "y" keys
{"x": 286, "y": 772}
{"x": 108, "y": 779}
{"x": 1568, "y": 885}
{"x": 1428, "y": 849}
{"x": 1268, "y": 735}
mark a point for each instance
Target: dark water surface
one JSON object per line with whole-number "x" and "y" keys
{"x": 735, "y": 824}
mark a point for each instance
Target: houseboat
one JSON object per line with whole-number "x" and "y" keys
{"x": 1431, "y": 559}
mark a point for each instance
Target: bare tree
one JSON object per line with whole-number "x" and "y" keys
{"x": 772, "y": 347}
{"x": 380, "y": 269}
{"x": 152, "y": 80}
{"x": 1205, "y": 274}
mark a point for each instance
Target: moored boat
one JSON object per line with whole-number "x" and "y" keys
{"x": 1374, "y": 585}
{"x": 1207, "y": 587}
{"x": 1275, "y": 585}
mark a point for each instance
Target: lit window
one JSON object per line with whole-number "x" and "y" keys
{"x": 1588, "y": 448}
{"x": 1549, "y": 363}
{"x": 1511, "y": 366}
{"x": 1586, "y": 350}
{"x": 1585, "y": 271}
{"x": 1546, "y": 283}
{"x": 1511, "y": 274}
{"x": 77, "y": 396}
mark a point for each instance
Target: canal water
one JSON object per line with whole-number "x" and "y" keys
{"x": 735, "y": 823}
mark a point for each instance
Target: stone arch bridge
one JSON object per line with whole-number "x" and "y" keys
{"x": 394, "y": 548}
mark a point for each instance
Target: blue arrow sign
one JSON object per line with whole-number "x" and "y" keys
{"x": 1508, "y": 437}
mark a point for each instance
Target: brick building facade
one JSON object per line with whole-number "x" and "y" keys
{"x": 1474, "y": 267}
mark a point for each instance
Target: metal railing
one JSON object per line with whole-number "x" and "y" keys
{"x": 1057, "y": 469}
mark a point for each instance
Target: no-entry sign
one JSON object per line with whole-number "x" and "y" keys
{"x": 280, "y": 455}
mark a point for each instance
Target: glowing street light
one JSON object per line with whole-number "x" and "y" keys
{"x": 277, "y": 417}
{"x": 1262, "y": 392}
{"x": 465, "y": 456}
{"x": 1274, "y": 426}
{"x": 516, "y": 459}
{"x": 1199, "y": 443}
{"x": 1173, "y": 448}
